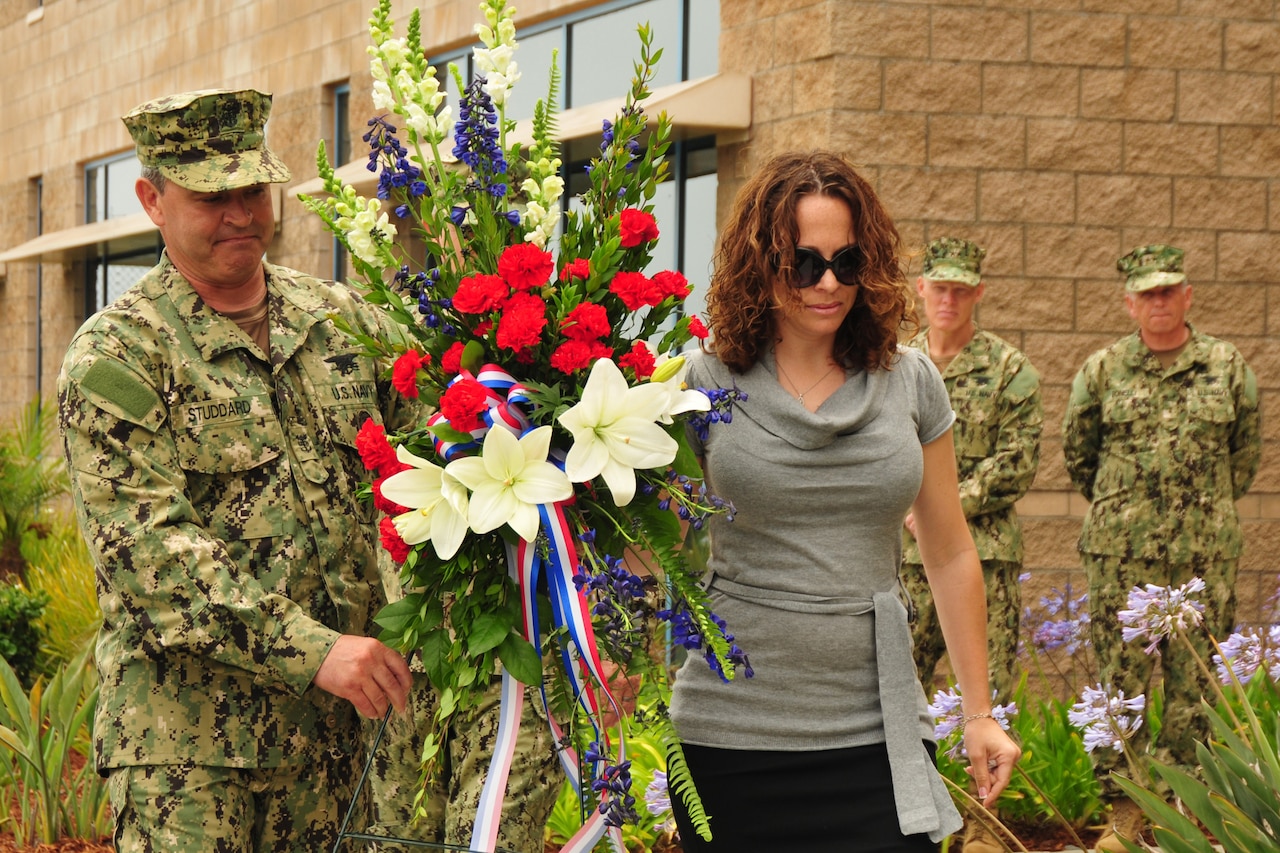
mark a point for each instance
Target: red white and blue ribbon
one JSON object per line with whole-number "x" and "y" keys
{"x": 570, "y": 609}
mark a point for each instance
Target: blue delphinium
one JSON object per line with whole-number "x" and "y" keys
{"x": 390, "y": 159}
{"x": 476, "y": 140}
{"x": 619, "y": 599}
{"x": 686, "y": 634}
{"x": 721, "y": 411}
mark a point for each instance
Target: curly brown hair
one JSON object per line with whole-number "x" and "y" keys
{"x": 757, "y": 249}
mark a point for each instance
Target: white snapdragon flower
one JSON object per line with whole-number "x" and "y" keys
{"x": 383, "y": 99}
{"x": 367, "y": 231}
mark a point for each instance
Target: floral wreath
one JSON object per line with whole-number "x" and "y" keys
{"x": 538, "y": 510}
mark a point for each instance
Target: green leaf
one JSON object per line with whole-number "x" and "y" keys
{"x": 399, "y": 615}
{"x": 520, "y": 658}
{"x": 487, "y": 632}
{"x": 444, "y": 432}
{"x": 473, "y": 356}
{"x": 435, "y": 650}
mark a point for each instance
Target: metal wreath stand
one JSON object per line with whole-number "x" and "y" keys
{"x": 345, "y": 835}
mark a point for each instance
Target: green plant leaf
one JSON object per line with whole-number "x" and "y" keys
{"x": 520, "y": 658}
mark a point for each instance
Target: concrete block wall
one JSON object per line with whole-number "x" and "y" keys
{"x": 1059, "y": 134}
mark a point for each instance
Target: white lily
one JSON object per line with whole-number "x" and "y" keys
{"x": 615, "y": 431}
{"x": 509, "y": 479}
{"x": 669, "y": 373}
{"x": 438, "y": 501}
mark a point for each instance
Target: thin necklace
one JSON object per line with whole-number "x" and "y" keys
{"x": 792, "y": 382}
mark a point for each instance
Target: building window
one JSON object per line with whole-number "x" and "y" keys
{"x": 596, "y": 50}
{"x": 116, "y": 266}
{"x": 339, "y": 153}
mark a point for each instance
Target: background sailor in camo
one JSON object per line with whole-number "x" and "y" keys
{"x": 1162, "y": 435}
{"x": 209, "y": 419}
{"x": 995, "y": 392}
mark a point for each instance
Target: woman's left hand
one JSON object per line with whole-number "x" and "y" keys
{"x": 992, "y": 754}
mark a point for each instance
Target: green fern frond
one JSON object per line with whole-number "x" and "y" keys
{"x": 679, "y": 780}
{"x": 546, "y": 113}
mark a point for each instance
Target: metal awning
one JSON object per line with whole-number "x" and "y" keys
{"x": 119, "y": 235}
{"x": 709, "y": 105}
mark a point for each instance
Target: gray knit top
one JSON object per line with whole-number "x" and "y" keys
{"x": 806, "y": 573}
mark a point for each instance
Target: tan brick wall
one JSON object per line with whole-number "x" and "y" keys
{"x": 1058, "y": 136}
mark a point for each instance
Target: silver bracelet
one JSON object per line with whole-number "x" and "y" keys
{"x": 969, "y": 718}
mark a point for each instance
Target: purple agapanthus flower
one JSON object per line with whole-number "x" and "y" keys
{"x": 1106, "y": 719}
{"x": 1248, "y": 651}
{"x": 1158, "y": 612}
{"x": 657, "y": 799}
{"x": 948, "y": 716}
{"x": 1070, "y": 632}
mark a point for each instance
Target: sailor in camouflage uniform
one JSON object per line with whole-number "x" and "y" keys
{"x": 1162, "y": 436}
{"x": 995, "y": 393}
{"x": 210, "y": 417}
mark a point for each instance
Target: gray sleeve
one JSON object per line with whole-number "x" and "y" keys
{"x": 933, "y": 407}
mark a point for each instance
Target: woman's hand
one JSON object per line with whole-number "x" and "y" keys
{"x": 992, "y": 754}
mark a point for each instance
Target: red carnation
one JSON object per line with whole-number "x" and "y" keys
{"x": 579, "y": 268}
{"x": 523, "y": 318}
{"x": 451, "y": 361}
{"x": 480, "y": 294}
{"x": 587, "y": 322}
{"x": 639, "y": 359}
{"x": 381, "y": 502}
{"x": 525, "y": 266}
{"x": 634, "y": 290}
{"x": 375, "y": 451}
{"x": 636, "y": 227}
{"x": 463, "y": 402}
{"x": 392, "y": 541}
{"x": 696, "y": 328}
{"x": 571, "y": 356}
{"x": 672, "y": 283}
{"x": 404, "y": 375}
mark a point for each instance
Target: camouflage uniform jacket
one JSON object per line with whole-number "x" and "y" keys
{"x": 216, "y": 492}
{"x": 1163, "y": 454}
{"x": 995, "y": 393}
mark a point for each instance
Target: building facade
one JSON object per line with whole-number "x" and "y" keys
{"x": 1057, "y": 133}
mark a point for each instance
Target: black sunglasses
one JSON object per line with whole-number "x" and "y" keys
{"x": 810, "y": 267}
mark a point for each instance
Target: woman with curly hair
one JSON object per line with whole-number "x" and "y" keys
{"x": 836, "y": 434}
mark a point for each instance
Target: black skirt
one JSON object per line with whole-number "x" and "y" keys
{"x": 831, "y": 801}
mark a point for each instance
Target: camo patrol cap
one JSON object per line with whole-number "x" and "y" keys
{"x": 953, "y": 259}
{"x": 1151, "y": 266}
{"x": 207, "y": 141}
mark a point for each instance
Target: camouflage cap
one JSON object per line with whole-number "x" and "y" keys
{"x": 1151, "y": 266}
{"x": 953, "y": 259}
{"x": 207, "y": 141}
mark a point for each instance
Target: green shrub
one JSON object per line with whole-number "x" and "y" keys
{"x": 57, "y": 797}
{"x": 33, "y": 473}
{"x": 19, "y": 634}
{"x": 59, "y": 565}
